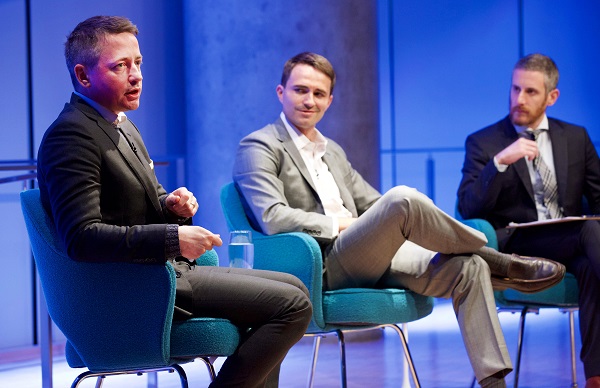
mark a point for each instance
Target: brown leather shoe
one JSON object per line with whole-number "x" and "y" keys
{"x": 530, "y": 274}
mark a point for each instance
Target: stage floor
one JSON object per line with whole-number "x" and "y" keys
{"x": 374, "y": 358}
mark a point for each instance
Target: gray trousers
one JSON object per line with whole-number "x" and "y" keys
{"x": 394, "y": 244}
{"x": 272, "y": 310}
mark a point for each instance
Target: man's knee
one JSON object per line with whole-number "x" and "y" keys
{"x": 403, "y": 197}
{"x": 301, "y": 307}
{"x": 403, "y": 193}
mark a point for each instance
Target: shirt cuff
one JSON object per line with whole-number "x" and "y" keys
{"x": 335, "y": 227}
{"x": 499, "y": 166}
{"x": 172, "y": 249}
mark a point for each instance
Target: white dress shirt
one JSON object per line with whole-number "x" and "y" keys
{"x": 327, "y": 189}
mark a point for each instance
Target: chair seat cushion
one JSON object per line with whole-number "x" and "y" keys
{"x": 564, "y": 294}
{"x": 215, "y": 336}
{"x": 366, "y": 306}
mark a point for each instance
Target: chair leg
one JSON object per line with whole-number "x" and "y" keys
{"x": 153, "y": 380}
{"x": 520, "y": 344}
{"x": 407, "y": 354}
{"x": 101, "y": 375}
{"x": 313, "y": 366}
{"x": 573, "y": 356}
{"x": 473, "y": 382}
{"x": 182, "y": 376}
{"x": 209, "y": 365}
{"x": 342, "y": 344}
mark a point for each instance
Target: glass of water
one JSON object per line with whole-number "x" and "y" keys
{"x": 241, "y": 249}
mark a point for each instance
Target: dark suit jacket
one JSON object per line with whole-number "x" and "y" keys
{"x": 278, "y": 192}
{"x": 507, "y": 197}
{"x": 103, "y": 196}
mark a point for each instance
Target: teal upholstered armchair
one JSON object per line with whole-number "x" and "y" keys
{"x": 333, "y": 311}
{"x": 563, "y": 296}
{"x": 117, "y": 317}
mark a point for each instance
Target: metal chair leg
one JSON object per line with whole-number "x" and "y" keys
{"x": 473, "y": 382}
{"x": 182, "y": 376}
{"x": 209, "y": 365}
{"x": 101, "y": 375}
{"x": 152, "y": 380}
{"x": 342, "y": 345}
{"x": 407, "y": 354}
{"x": 315, "y": 356}
{"x": 573, "y": 356}
{"x": 520, "y": 344}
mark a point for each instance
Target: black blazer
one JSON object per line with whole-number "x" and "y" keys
{"x": 104, "y": 197}
{"x": 507, "y": 197}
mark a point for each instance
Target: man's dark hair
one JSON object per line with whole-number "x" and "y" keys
{"x": 316, "y": 61}
{"x": 83, "y": 45}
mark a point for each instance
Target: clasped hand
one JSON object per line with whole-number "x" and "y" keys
{"x": 521, "y": 148}
{"x": 193, "y": 240}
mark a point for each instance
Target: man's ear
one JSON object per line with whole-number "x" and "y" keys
{"x": 82, "y": 76}
{"x": 552, "y": 97}
{"x": 279, "y": 90}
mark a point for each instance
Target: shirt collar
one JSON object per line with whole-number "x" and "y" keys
{"x": 299, "y": 139}
{"x": 543, "y": 125}
{"x": 109, "y": 116}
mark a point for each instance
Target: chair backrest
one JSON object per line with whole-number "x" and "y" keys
{"x": 295, "y": 253}
{"x": 481, "y": 225}
{"x": 234, "y": 212}
{"x": 114, "y": 315}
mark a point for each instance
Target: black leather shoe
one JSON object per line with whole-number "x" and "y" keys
{"x": 530, "y": 274}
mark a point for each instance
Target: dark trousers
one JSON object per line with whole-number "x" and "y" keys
{"x": 272, "y": 310}
{"x": 576, "y": 245}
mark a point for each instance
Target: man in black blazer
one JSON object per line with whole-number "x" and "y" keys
{"x": 501, "y": 185}
{"x": 98, "y": 184}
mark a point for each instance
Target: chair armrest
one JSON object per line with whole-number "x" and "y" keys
{"x": 298, "y": 254}
{"x": 209, "y": 258}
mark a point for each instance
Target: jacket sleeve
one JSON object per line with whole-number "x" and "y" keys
{"x": 591, "y": 189}
{"x": 481, "y": 182}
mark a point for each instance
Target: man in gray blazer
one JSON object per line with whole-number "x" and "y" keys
{"x": 293, "y": 179}
{"x": 97, "y": 183}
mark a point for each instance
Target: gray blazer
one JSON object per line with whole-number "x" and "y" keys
{"x": 277, "y": 189}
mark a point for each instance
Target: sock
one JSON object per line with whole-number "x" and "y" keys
{"x": 497, "y": 261}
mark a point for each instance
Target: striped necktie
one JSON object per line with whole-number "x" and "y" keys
{"x": 545, "y": 188}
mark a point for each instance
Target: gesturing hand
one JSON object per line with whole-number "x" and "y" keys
{"x": 182, "y": 202}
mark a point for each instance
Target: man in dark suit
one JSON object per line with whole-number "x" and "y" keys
{"x": 293, "y": 179}
{"x": 97, "y": 182}
{"x": 510, "y": 177}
